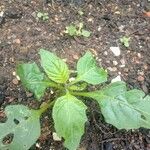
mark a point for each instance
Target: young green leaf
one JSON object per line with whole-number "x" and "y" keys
{"x": 45, "y": 16}
{"x": 123, "y": 109}
{"x": 125, "y": 41}
{"x": 85, "y": 33}
{"x": 55, "y": 68}
{"x": 23, "y": 124}
{"x": 89, "y": 72}
{"x": 70, "y": 127}
{"x": 71, "y": 30}
{"x": 32, "y": 78}
{"x": 80, "y": 12}
{"x": 39, "y": 14}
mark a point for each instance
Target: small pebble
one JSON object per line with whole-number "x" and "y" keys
{"x": 76, "y": 57}
{"x": 112, "y": 69}
{"x": 2, "y": 18}
{"x": 145, "y": 67}
{"x": 51, "y": 91}
{"x": 15, "y": 81}
{"x": 123, "y": 61}
{"x": 38, "y": 145}
{"x": 121, "y": 66}
{"x": 1, "y": 14}
{"x": 116, "y": 51}
{"x": 121, "y": 28}
{"x": 118, "y": 78}
{"x": 18, "y": 78}
{"x": 99, "y": 59}
{"x": 14, "y": 73}
{"x": 105, "y": 53}
{"x": 12, "y": 60}
{"x": 71, "y": 79}
{"x": 117, "y": 12}
{"x": 140, "y": 78}
{"x": 56, "y": 18}
{"x": 55, "y": 137}
{"x": 139, "y": 55}
{"x": 90, "y": 20}
{"x": 141, "y": 73}
{"x": 126, "y": 70}
{"x": 17, "y": 41}
{"x": 99, "y": 28}
{"x": 115, "y": 63}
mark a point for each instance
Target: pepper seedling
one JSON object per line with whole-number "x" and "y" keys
{"x": 124, "y": 109}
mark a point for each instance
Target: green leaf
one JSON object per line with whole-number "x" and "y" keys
{"x": 23, "y": 124}
{"x": 71, "y": 30}
{"x": 89, "y": 72}
{"x": 32, "y": 78}
{"x": 80, "y": 12}
{"x": 125, "y": 41}
{"x": 86, "y": 33}
{"x": 123, "y": 109}
{"x": 80, "y": 26}
{"x": 55, "y": 68}
{"x": 141, "y": 103}
{"x": 70, "y": 127}
{"x": 39, "y": 14}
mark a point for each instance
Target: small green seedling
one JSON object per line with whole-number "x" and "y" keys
{"x": 77, "y": 30}
{"x": 125, "y": 109}
{"x": 42, "y": 16}
{"x": 125, "y": 41}
{"x": 80, "y": 12}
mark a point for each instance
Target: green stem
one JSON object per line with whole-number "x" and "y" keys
{"x": 45, "y": 106}
{"x": 54, "y": 85}
{"x": 85, "y": 94}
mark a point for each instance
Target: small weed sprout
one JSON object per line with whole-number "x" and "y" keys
{"x": 77, "y": 30}
{"x": 80, "y": 12}
{"x": 125, "y": 41}
{"x": 42, "y": 16}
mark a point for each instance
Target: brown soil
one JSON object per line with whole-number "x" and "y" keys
{"x": 22, "y": 35}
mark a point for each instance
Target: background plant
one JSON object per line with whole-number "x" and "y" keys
{"x": 77, "y": 30}
{"x": 125, "y": 41}
{"x": 125, "y": 109}
{"x": 43, "y": 16}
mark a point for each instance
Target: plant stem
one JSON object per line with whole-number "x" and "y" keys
{"x": 55, "y": 85}
{"x": 85, "y": 94}
{"x": 45, "y": 106}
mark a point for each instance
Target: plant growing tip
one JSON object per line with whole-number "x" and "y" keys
{"x": 122, "y": 108}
